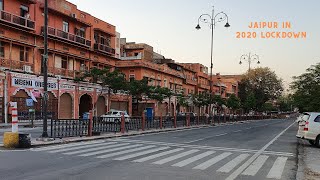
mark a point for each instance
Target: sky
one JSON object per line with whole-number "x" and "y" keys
{"x": 169, "y": 26}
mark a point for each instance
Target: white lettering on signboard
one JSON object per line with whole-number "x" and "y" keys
{"x": 86, "y": 89}
{"x": 67, "y": 87}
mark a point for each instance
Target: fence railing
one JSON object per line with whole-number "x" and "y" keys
{"x": 61, "y": 128}
{"x": 69, "y": 128}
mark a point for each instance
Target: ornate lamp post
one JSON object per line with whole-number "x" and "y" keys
{"x": 212, "y": 20}
{"x": 249, "y": 58}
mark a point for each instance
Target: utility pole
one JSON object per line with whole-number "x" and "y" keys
{"x": 45, "y": 73}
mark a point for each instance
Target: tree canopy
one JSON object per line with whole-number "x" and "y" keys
{"x": 306, "y": 88}
{"x": 259, "y": 86}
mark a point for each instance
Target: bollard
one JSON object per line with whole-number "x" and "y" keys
{"x": 160, "y": 122}
{"x": 143, "y": 121}
{"x": 90, "y": 123}
{"x": 122, "y": 123}
{"x": 175, "y": 121}
{"x": 14, "y": 112}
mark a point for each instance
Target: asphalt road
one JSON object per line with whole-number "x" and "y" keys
{"x": 249, "y": 151}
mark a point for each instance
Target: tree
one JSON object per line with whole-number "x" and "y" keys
{"x": 107, "y": 79}
{"x": 233, "y": 102}
{"x": 267, "y": 106}
{"x": 306, "y": 88}
{"x": 201, "y": 99}
{"x": 137, "y": 89}
{"x": 250, "y": 102}
{"x": 219, "y": 102}
{"x": 261, "y": 84}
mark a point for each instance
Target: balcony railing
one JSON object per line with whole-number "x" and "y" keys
{"x": 104, "y": 48}
{"x": 189, "y": 81}
{"x": 68, "y": 36}
{"x": 203, "y": 86}
{"x": 17, "y": 20}
{"x": 16, "y": 65}
{"x": 139, "y": 56}
{"x": 61, "y": 72}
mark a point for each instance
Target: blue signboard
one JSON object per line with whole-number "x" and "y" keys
{"x": 29, "y": 102}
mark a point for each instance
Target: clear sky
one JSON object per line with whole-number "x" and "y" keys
{"x": 169, "y": 26}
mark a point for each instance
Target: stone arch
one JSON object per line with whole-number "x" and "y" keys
{"x": 66, "y": 106}
{"x": 85, "y": 104}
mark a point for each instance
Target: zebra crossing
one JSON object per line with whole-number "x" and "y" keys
{"x": 214, "y": 160}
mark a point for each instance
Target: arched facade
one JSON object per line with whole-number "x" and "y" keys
{"x": 85, "y": 104}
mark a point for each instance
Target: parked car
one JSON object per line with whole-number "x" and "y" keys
{"x": 309, "y": 127}
{"x": 114, "y": 116}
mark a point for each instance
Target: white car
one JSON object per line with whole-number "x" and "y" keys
{"x": 114, "y": 116}
{"x": 309, "y": 127}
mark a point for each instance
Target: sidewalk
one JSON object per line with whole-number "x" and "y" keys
{"x": 309, "y": 161}
{"x": 22, "y": 124}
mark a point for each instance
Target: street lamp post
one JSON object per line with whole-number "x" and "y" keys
{"x": 45, "y": 73}
{"x": 212, "y": 20}
{"x": 249, "y": 58}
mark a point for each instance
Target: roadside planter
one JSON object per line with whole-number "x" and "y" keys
{"x": 16, "y": 140}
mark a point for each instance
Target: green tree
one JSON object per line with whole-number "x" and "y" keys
{"x": 233, "y": 102}
{"x": 267, "y": 106}
{"x": 201, "y": 99}
{"x": 107, "y": 79}
{"x": 137, "y": 89}
{"x": 262, "y": 84}
{"x": 250, "y": 102}
{"x": 306, "y": 88}
{"x": 219, "y": 102}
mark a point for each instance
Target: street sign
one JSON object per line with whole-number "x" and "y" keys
{"x": 29, "y": 102}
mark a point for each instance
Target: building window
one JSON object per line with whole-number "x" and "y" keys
{"x": 24, "y": 55}
{"x": 64, "y": 63}
{"x": 1, "y": 5}
{"x": 24, "y": 11}
{"x": 165, "y": 83}
{"x": 65, "y": 26}
{"x": 1, "y": 49}
{"x": 80, "y": 32}
{"x": 131, "y": 77}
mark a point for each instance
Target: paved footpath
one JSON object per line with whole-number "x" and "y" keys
{"x": 263, "y": 149}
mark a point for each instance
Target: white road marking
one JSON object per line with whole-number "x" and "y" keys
{"x": 81, "y": 147}
{"x": 158, "y": 155}
{"x": 95, "y": 149}
{"x": 193, "y": 159}
{"x": 125, "y": 152}
{"x": 205, "y": 138}
{"x": 212, "y": 161}
{"x": 171, "y": 158}
{"x": 110, "y": 150}
{"x": 233, "y": 163}
{"x": 255, "y": 166}
{"x": 237, "y": 172}
{"x": 202, "y": 147}
{"x": 277, "y": 168}
{"x": 65, "y": 145}
{"x": 140, "y": 153}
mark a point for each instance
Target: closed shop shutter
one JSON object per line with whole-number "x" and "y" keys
{"x": 65, "y": 108}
